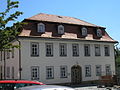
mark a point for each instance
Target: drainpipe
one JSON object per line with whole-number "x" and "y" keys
{"x": 20, "y": 68}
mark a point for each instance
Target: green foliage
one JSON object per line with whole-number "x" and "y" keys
{"x": 9, "y": 33}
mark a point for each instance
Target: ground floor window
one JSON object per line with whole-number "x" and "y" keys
{"x": 49, "y": 72}
{"x": 108, "y": 69}
{"x": 87, "y": 70}
{"x": 98, "y": 70}
{"x": 35, "y": 72}
{"x": 63, "y": 71}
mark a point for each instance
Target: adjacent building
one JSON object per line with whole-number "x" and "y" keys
{"x": 59, "y": 49}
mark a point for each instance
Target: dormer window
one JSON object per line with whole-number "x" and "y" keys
{"x": 99, "y": 32}
{"x": 84, "y": 31}
{"x": 60, "y": 29}
{"x": 41, "y": 28}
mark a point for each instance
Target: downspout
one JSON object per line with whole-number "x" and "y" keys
{"x": 20, "y": 68}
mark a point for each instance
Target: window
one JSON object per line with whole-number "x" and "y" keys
{"x": 1, "y": 54}
{"x": 87, "y": 50}
{"x": 108, "y": 69}
{"x": 88, "y": 71}
{"x": 84, "y": 31}
{"x": 63, "y": 71}
{"x": 63, "y": 49}
{"x": 99, "y": 33}
{"x": 12, "y": 73}
{"x": 98, "y": 70}
{"x": 107, "y": 50}
{"x": 8, "y": 72}
{"x": 75, "y": 49}
{"x": 12, "y": 52}
{"x": 97, "y": 50}
{"x": 49, "y": 72}
{"x": 8, "y": 54}
{"x": 60, "y": 29}
{"x": 35, "y": 49}
{"x": 49, "y": 49}
{"x": 35, "y": 72}
{"x": 41, "y": 28}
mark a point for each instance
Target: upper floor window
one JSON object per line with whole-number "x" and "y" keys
{"x": 60, "y": 29}
{"x": 34, "y": 49}
{"x": 8, "y": 53}
{"x": 84, "y": 31}
{"x": 63, "y": 71}
{"x": 99, "y": 32}
{"x": 108, "y": 69}
{"x": 49, "y": 49}
{"x": 63, "y": 49}
{"x": 98, "y": 70}
{"x": 97, "y": 50}
{"x": 87, "y": 50}
{"x": 107, "y": 50}
{"x": 87, "y": 70}
{"x": 35, "y": 72}
{"x": 49, "y": 72}
{"x": 75, "y": 49}
{"x": 12, "y": 52}
{"x": 41, "y": 28}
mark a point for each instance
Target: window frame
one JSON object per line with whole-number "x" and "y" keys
{"x": 59, "y": 29}
{"x": 50, "y": 74}
{"x": 39, "y": 26}
{"x": 88, "y": 72}
{"x": 63, "y": 49}
{"x": 107, "y": 52}
{"x": 49, "y": 46}
{"x": 99, "y": 33}
{"x": 108, "y": 71}
{"x": 97, "y": 50}
{"x": 63, "y": 74}
{"x": 87, "y": 50}
{"x": 75, "y": 50}
{"x": 33, "y": 72}
{"x": 98, "y": 71}
{"x": 37, "y": 48}
{"x": 84, "y": 31}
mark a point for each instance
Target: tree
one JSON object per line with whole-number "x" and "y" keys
{"x": 9, "y": 33}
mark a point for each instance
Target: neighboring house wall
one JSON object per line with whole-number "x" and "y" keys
{"x": 42, "y": 61}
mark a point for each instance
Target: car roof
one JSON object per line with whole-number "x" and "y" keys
{"x": 45, "y": 87}
{"x": 21, "y": 81}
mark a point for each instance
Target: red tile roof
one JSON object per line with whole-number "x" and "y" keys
{"x": 60, "y": 19}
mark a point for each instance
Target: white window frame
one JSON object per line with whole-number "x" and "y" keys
{"x": 107, "y": 50}
{"x": 87, "y": 70}
{"x": 98, "y": 70}
{"x": 60, "y": 29}
{"x": 35, "y": 49}
{"x": 75, "y": 49}
{"x": 49, "y": 49}
{"x": 34, "y": 72}
{"x": 8, "y": 53}
{"x": 108, "y": 69}
{"x": 84, "y": 31}
{"x": 63, "y": 49}
{"x": 41, "y": 27}
{"x": 63, "y": 71}
{"x": 8, "y": 72}
{"x": 97, "y": 50}
{"x": 49, "y": 72}
{"x": 99, "y": 32}
{"x": 86, "y": 49}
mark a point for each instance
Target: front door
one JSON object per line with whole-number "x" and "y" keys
{"x": 76, "y": 76}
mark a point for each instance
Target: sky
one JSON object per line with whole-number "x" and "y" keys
{"x": 104, "y": 13}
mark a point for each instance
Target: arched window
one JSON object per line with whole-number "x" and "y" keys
{"x": 60, "y": 29}
{"x": 99, "y": 33}
{"x": 41, "y": 28}
{"x": 84, "y": 31}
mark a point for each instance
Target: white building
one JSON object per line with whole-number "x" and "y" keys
{"x": 59, "y": 49}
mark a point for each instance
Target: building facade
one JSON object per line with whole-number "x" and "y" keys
{"x": 59, "y": 49}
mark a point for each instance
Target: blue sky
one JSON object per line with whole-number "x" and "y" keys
{"x": 104, "y": 13}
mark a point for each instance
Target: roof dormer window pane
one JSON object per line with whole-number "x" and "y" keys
{"x": 41, "y": 27}
{"x": 99, "y": 33}
{"x": 60, "y": 29}
{"x": 84, "y": 31}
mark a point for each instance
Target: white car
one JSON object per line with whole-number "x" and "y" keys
{"x": 45, "y": 87}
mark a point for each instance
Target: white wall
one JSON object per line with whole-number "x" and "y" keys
{"x": 42, "y": 61}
